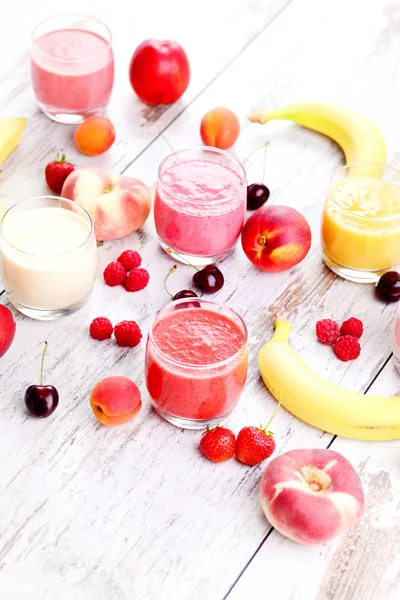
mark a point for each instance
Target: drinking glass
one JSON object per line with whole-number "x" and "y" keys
{"x": 360, "y": 234}
{"x": 200, "y": 204}
{"x": 48, "y": 256}
{"x": 194, "y": 392}
{"x": 72, "y": 67}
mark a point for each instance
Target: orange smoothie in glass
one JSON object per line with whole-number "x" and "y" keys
{"x": 360, "y": 234}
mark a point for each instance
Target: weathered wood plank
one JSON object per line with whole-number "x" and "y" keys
{"x": 101, "y": 513}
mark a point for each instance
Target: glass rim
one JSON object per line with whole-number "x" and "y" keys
{"x": 363, "y": 164}
{"x": 202, "y": 366}
{"x": 197, "y": 149}
{"x": 48, "y": 197}
{"x": 70, "y": 15}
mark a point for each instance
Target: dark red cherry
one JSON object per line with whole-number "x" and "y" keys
{"x": 257, "y": 195}
{"x": 388, "y": 287}
{"x": 41, "y": 400}
{"x": 209, "y": 279}
{"x": 185, "y": 294}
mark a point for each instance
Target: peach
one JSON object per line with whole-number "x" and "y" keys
{"x": 7, "y": 329}
{"x": 117, "y": 204}
{"x": 310, "y": 496}
{"x": 219, "y": 128}
{"x": 94, "y": 136}
{"x": 276, "y": 238}
{"x": 115, "y": 400}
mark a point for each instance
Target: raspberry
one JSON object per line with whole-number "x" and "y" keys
{"x": 127, "y": 333}
{"x": 353, "y": 327}
{"x": 347, "y": 348}
{"x": 101, "y": 328}
{"x": 130, "y": 259}
{"x": 114, "y": 274}
{"x": 136, "y": 280}
{"x": 327, "y": 331}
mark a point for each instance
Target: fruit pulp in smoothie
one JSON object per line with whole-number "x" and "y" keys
{"x": 72, "y": 70}
{"x": 182, "y": 372}
{"x": 199, "y": 207}
{"x": 48, "y": 258}
{"x": 361, "y": 224}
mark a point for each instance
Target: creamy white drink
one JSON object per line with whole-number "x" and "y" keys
{"x": 48, "y": 257}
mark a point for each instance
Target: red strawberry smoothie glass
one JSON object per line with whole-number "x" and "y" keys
{"x": 200, "y": 204}
{"x": 196, "y": 362}
{"x": 72, "y": 67}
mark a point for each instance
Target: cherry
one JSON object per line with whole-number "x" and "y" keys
{"x": 209, "y": 279}
{"x": 185, "y": 294}
{"x": 41, "y": 400}
{"x": 257, "y": 195}
{"x": 388, "y": 287}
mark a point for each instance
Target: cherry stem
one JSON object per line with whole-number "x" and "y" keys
{"x": 274, "y": 413}
{"x": 41, "y": 366}
{"x": 265, "y": 146}
{"x": 165, "y": 280}
{"x": 171, "y": 252}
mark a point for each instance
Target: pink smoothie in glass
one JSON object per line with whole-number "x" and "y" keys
{"x": 185, "y": 373}
{"x": 72, "y": 70}
{"x": 199, "y": 206}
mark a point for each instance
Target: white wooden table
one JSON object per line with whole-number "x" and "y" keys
{"x": 135, "y": 512}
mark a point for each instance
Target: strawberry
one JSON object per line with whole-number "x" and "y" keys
{"x": 57, "y": 172}
{"x": 255, "y": 444}
{"x": 218, "y": 444}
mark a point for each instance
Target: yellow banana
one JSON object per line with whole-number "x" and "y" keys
{"x": 320, "y": 403}
{"x": 359, "y": 138}
{"x": 10, "y": 135}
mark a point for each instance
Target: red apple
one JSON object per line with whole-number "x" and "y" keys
{"x": 159, "y": 71}
{"x": 311, "y": 496}
{"x": 7, "y": 329}
{"x": 276, "y": 238}
{"x": 117, "y": 204}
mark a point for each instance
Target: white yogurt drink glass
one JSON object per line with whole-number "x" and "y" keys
{"x": 48, "y": 256}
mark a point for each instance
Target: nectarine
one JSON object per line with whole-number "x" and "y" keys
{"x": 115, "y": 400}
{"x": 7, "y": 329}
{"x": 219, "y": 128}
{"x": 311, "y": 496}
{"x": 94, "y": 136}
{"x": 276, "y": 238}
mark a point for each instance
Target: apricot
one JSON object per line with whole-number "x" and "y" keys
{"x": 94, "y": 136}
{"x": 115, "y": 400}
{"x": 219, "y": 128}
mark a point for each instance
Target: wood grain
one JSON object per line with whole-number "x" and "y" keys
{"x": 134, "y": 512}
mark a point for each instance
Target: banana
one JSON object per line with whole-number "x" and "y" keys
{"x": 359, "y": 138}
{"x": 320, "y": 403}
{"x": 10, "y": 135}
